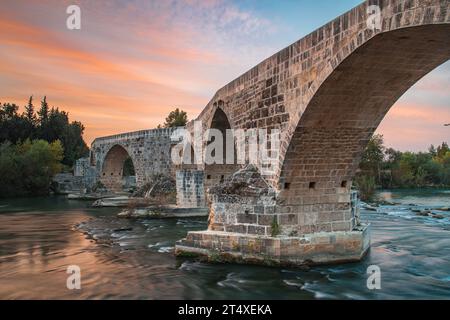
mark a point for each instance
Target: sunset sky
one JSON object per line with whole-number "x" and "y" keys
{"x": 134, "y": 61}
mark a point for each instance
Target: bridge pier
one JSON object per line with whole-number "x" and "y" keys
{"x": 313, "y": 249}
{"x": 247, "y": 224}
{"x": 190, "y": 188}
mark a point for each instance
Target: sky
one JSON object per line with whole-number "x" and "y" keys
{"x": 134, "y": 61}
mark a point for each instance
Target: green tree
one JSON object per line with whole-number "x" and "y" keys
{"x": 43, "y": 111}
{"x": 13, "y": 127}
{"x": 30, "y": 119}
{"x": 49, "y": 125}
{"x": 391, "y": 168}
{"x": 70, "y": 134}
{"x": 366, "y": 186}
{"x": 432, "y": 150}
{"x": 441, "y": 151}
{"x": 43, "y": 127}
{"x": 11, "y": 182}
{"x": 27, "y": 168}
{"x": 29, "y": 114}
{"x": 74, "y": 145}
{"x": 40, "y": 161}
{"x": 372, "y": 158}
{"x": 176, "y": 118}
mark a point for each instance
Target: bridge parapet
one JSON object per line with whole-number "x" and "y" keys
{"x": 151, "y": 133}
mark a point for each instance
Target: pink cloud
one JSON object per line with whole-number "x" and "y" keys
{"x": 415, "y": 127}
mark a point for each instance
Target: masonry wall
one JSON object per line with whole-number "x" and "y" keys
{"x": 150, "y": 151}
{"x": 190, "y": 188}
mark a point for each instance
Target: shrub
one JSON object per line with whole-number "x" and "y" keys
{"x": 366, "y": 186}
{"x": 275, "y": 227}
{"x": 28, "y": 168}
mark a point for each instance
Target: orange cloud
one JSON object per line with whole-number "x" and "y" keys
{"x": 86, "y": 84}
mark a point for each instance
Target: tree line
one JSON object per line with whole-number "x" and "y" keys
{"x": 48, "y": 124}
{"x": 35, "y": 145}
{"x": 387, "y": 168}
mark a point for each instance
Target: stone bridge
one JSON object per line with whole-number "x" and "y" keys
{"x": 327, "y": 93}
{"x": 149, "y": 151}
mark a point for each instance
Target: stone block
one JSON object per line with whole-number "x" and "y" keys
{"x": 246, "y": 218}
{"x": 288, "y": 219}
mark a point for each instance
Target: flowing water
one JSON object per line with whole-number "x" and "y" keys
{"x": 125, "y": 259}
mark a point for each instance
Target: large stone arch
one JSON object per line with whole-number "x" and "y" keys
{"x": 112, "y": 166}
{"x": 413, "y": 40}
{"x": 327, "y": 143}
{"x": 275, "y": 93}
{"x": 196, "y": 175}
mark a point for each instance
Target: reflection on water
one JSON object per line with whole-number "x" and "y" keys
{"x": 127, "y": 259}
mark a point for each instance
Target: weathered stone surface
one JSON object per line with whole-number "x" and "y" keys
{"x": 246, "y": 182}
{"x": 121, "y": 201}
{"x": 65, "y": 183}
{"x": 190, "y": 188}
{"x": 235, "y": 204}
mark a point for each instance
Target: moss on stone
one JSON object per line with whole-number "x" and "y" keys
{"x": 187, "y": 254}
{"x": 155, "y": 214}
{"x": 275, "y": 227}
{"x": 214, "y": 257}
{"x": 270, "y": 262}
{"x": 236, "y": 246}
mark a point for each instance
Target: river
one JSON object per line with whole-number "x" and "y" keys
{"x": 38, "y": 241}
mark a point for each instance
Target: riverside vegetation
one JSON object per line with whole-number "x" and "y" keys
{"x": 387, "y": 168}
{"x": 34, "y": 146}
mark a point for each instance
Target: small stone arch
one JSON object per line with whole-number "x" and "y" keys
{"x": 112, "y": 168}
{"x": 217, "y": 173}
